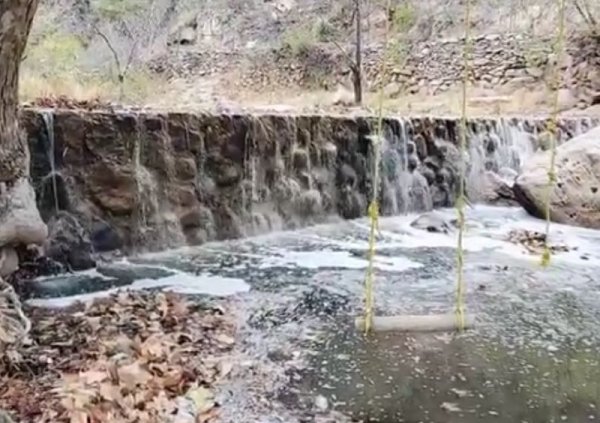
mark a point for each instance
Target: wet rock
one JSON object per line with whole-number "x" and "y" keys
{"x": 421, "y": 146}
{"x": 440, "y": 195}
{"x": 351, "y": 204}
{"x": 329, "y": 151}
{"x": 491, "y": 145}
{"x": 309, "y": 203}
{"x": 300, "y": 159}
{"x": 413, "y": 163}
{"x": 114, "y": 188}
{"x": 104, "y": 237}
{"x": 497, "y": 191}
{"x": 575, "y": 197}
{"x": 420, "y": 195}
{"x": 347, "y": 176}
{"x": 434, "y": 163}
{"x": 32, "y": 264}
{"x": 68, "y": 243}
{"x": 286, "y": 190}
{"x": 428, "y": 174}
{"x": 229, "y": 225}
{"x": 185, "y": 169}
{"x": 490, "y": 165}
{"x": 432, "y": 222}
{"x": 227, "y": 174}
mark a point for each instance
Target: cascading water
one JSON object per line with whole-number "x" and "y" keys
{"x": 156, "y": 223}
{"x": 137, "y": 169}
{"x": 395, "y": 173}
{"x": 48, "y": 118}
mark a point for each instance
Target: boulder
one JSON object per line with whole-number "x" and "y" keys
{"x": 68, "y": 242}
{"x": 575, "y": 197}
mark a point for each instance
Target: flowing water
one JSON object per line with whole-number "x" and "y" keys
{"x": 533, "y": 357}
{"x": 48, "y": 118}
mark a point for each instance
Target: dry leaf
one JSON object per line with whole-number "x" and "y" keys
{"x": 225, "y": 368}
{"x": 133, "y": 375}
{"x": 78, "y": 416}
{"x": 208, "y": 416}
{"x": 203, "y": 399}
{"x": 225, "y": 339}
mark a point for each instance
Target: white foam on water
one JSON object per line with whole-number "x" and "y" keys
{"x": 182, "y": 283}
{"x": 62, "y": 302}
{"x": 185, "y": 283}
{"x": 335, "y": 259}
{"x": 487, "y": 229}
{"x": 90, "y": 273}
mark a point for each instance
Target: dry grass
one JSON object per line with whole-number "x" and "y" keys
{"x": 481, "y": 102}
{"x": 138, "y": 88}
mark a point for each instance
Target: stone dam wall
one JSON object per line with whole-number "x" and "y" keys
{"x": 149, "y": 181}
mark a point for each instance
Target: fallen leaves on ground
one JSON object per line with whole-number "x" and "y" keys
{"x": 65, "y": 102}
{"x": 135, "y": 357}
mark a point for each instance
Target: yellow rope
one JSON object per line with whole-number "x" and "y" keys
{"x": 373, "y": 211}
{"x": 460, "y": 202}
{"x": 553, "y": 127}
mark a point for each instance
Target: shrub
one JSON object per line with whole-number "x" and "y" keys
{"x": 403, "y": 17}
{"x": 299, "y": 41}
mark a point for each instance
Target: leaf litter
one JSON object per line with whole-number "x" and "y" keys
{"x": 134, "y": 357}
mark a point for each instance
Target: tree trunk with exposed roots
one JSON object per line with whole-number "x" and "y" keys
{"x": 20, "y": 221}
{"x": 16, "y": 17}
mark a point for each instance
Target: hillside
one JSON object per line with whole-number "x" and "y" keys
{"x": 291, "y": 54}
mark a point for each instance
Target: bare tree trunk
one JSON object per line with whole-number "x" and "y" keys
{"x": 357, "y": 69}
{"x": 16, "y": 17}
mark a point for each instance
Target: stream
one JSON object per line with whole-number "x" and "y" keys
{"x": 533, "y": 356}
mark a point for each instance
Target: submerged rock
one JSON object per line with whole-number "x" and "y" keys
{"x": 432, "y": 222}
{"x": 68, "y": 242}
{"x": 575, "y": 196}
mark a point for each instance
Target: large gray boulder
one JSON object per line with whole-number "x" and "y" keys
{"x": 575, "y": 197}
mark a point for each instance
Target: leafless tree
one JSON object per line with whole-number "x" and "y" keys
{"x": 355, "y": 64}
{"x": 585, "y": 11}
{"x": 132, "y": 37}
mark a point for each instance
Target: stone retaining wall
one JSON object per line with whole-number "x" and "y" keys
{"x": 150, "y": 180}
{"x": 510, "y": 61}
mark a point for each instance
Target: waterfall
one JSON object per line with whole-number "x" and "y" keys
{"x": 396, "y": 176}
{"x": 48, "y": 118}
{"x": 139, "y": 175}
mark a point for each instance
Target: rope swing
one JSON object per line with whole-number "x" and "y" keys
{"x": 552, "y": 127}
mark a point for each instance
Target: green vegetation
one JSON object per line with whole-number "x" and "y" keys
{"x": 55, "y": 54}
{"x": 403, "y": 17}
{"x": 299, "y": 41}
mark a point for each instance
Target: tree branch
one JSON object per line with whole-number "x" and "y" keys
{"x": 112, "y": 49}
{"x": 349, "y": 59}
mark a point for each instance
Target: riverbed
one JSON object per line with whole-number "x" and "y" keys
{"x": 533, "y": 356}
